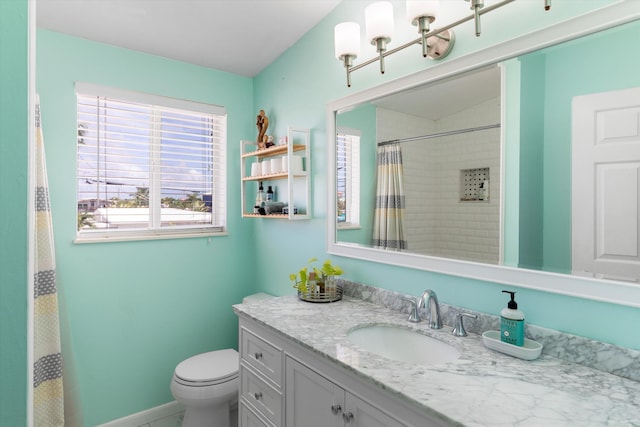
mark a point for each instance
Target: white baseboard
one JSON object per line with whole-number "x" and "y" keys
{"x": 147, "y": 416}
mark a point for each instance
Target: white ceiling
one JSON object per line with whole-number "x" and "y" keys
{"x": 237, "y": 36}
{"x": 446, "y": 97}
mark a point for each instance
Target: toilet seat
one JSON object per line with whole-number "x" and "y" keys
{"x": 214, "y": 367}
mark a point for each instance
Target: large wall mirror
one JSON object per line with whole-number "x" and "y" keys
{"x": 485, "y": 143}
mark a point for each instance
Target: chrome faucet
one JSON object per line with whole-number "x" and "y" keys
{"x": 429, "y": 301}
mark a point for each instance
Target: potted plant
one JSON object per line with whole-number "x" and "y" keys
{"x": 304, "y": 280}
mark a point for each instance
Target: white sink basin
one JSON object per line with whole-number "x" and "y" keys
{"x": 403, "y": 345}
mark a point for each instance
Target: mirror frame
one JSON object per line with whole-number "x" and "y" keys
{"x": 582, "y": 287}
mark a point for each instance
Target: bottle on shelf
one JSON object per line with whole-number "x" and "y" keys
{"x": 270, "y": 197}
{"x": 260, "y": 196}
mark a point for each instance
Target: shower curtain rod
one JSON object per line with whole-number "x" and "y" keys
{"x": 436, "y": 135}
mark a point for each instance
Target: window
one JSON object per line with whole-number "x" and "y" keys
{"x": 148, "y": 166}
{"x": 348, "y": 178}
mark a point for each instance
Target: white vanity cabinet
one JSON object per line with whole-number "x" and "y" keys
{"x": 261, "y": 363}
{"x": 248, "y": 418}
{"x": 314, "y": 401}
{"x": 285, "y": 384}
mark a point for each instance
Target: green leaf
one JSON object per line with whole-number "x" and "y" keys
{"x": 327, "y": 269}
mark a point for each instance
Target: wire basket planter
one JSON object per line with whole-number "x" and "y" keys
{"x": 320, "y": 297}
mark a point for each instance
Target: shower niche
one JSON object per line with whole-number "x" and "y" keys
{"x": 474, "y": 185}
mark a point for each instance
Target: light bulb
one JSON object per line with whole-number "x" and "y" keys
{"x": 421, "y": 8}
{"x": 379, "y": 20}
{"x": 347, "y": 39}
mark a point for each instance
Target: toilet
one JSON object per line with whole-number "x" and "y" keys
{"x": 207, "y": 384}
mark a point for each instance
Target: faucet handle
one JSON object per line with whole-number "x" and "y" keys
{"x": 414, "y": 316}
{"x": 458, "y": 329}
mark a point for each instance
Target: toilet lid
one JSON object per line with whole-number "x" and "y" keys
{"x": 211, "y": 366}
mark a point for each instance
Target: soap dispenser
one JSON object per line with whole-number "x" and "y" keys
{"x": 512, "y": 323}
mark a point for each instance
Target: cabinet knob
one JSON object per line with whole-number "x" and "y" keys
{"x": 347, "y": 417}
{"x": 258, "y": 355}
{"x": 258, "y": 395}
{"x": 336, "y": 409}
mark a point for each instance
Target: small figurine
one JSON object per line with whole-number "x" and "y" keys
{"x": 262, "y": 122}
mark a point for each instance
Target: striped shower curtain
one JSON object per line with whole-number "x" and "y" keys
{"x": 48, "y": 400}
{"x": 388, "y": 221}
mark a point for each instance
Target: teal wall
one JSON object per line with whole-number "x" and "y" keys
{"x": 363, "y": 119}
{"x": 13, "y": 211}
{"x": 594, "y": 64}
{"x": 511, "y": 145}
{"x": 615, "y": 68}
{"x": 134, "y": 310}
{"x": 297, "y": 88}
{"x": 531, "y": 161}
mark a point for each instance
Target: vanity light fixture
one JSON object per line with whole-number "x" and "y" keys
{"x": 347, "y": 44}
{"x": 476, "y": 5}
{"x": 422, "y": 13}
{"x": 378, "y": 17}
{"x": 436, "y": 43}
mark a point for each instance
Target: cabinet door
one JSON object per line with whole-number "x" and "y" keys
{"x": 311, "y": 400}
{"x": 358, "y": 413}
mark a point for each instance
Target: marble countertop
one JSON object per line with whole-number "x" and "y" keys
{"x": 481, "y": 388}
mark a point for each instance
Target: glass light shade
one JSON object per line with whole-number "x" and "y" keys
{"x": 379, "y": 19}
{"x": 418, "y": 8}
{"x": 347, "y": 39}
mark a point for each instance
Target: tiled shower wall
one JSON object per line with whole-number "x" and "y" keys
{"x": 437, "y": 222}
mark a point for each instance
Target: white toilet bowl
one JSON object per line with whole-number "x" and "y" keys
{"x": 206, "y": 385}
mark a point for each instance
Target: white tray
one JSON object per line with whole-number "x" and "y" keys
{"x": 530, "y": 351}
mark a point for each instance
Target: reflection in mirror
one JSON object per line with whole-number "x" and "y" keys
{"x": 546, "y": 144}
{"x": 458, "y": 203}
{"x": 348, "y": 177}
{"x": 447, "y": 200}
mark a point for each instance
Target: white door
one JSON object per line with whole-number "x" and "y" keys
{"x": 606, "y": 185}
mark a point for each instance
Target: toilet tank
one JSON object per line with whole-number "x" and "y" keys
{"x": 250, "y": 299}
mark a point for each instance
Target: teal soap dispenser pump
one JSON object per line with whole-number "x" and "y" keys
{"x": 512, "y": 323}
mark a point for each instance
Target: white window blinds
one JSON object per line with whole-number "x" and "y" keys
{"x": 148, "y": 164}
{"x": 348, "y": 177}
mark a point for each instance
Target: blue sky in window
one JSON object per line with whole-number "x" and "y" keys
{"x": 119, "y": 149}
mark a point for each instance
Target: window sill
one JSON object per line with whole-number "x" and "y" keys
{"x": 99, "y": 237}
{"x": 349, "y": 227}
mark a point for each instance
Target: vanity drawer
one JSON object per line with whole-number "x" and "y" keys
{"x": 262, "y": 356}
{"x": 259, "y": 394}
{"x": 247, "y": 417}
